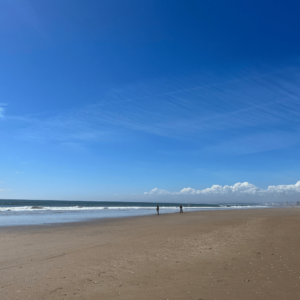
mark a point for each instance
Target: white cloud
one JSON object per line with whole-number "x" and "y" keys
{"x": 284, "y": 189}
{"x": 157, "y": 191}
{"x": 239, "y": 188}
{"x": 188, "y": 191}
{"x": 1, "y": 111}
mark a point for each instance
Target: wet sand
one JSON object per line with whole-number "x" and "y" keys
{"x": 240, "y": 254}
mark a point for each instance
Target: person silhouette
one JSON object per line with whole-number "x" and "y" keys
{"x": 157, "y": 209}
{"x": 181, "y": 211}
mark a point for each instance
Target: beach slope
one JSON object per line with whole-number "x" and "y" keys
{"x": 236, "y": 254}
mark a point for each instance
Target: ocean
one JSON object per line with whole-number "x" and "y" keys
{"x": 38, "y": 212}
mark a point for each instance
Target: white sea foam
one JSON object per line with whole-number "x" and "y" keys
{"x": 95, "y": 208}
{"x": 77, "y": 208}
{"x": 37, "y": 214}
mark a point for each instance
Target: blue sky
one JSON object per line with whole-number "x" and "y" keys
{"x": 141, "y": 100}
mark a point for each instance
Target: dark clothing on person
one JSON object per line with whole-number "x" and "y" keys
{"x": 157, "y": 209}
{"x": 181, "y": 211}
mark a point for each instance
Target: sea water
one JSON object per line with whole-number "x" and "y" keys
{"x": 37, "y": 212}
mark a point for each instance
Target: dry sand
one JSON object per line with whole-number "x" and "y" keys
{"x": 241, "y": 254}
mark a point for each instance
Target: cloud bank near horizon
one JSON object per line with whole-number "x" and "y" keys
{"x": 238, "y": 189}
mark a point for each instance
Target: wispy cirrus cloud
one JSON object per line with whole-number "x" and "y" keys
{"x": 1, "y": 110}
{"x": 249, "y": 112}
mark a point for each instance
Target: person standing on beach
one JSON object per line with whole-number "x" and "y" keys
{"x": 157, "y": 209}
{"x": 181, "y": 210}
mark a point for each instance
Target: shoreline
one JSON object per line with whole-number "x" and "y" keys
{"x": 103, "y": 221}
{"x": 203, "y": 255}
{"x": 100, "y": 219}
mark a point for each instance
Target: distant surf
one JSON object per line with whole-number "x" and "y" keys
{"x": 35, "y": 212}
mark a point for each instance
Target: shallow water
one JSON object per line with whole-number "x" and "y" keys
{"x": 36, "y": 212}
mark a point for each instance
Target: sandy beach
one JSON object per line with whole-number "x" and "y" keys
{"x": 237, "y": 254}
